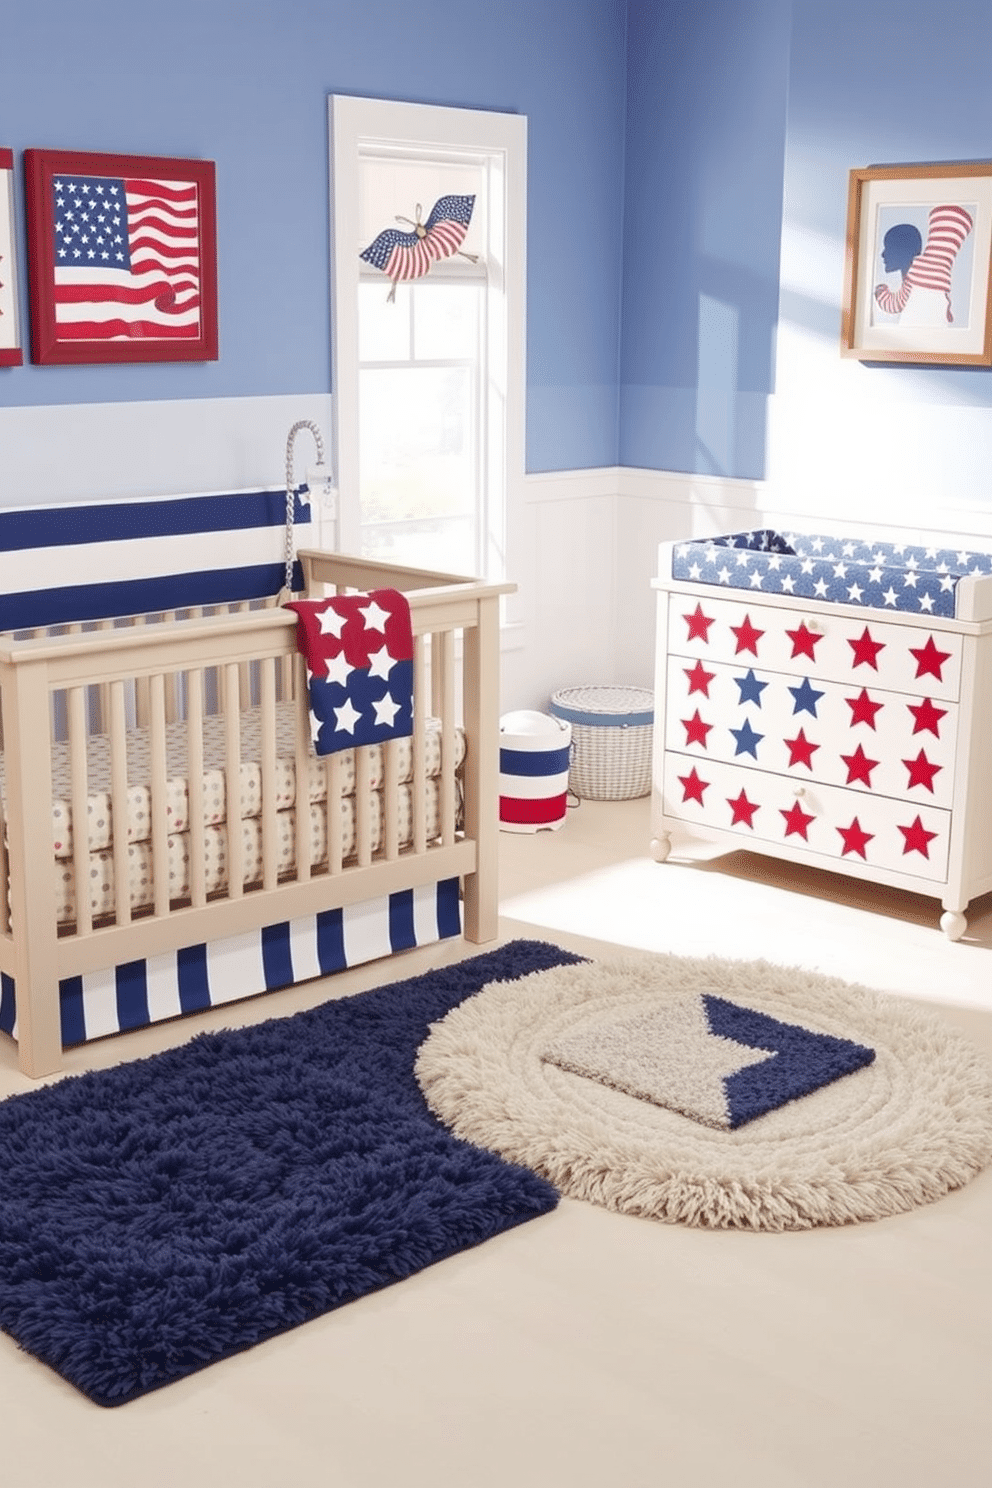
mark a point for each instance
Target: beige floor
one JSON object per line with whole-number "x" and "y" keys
{"x": 587, "y": 1348}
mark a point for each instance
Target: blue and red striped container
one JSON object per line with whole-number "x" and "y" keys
{"x": 533, "y": 771}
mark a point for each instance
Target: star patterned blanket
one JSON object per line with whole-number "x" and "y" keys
{"x": 893, "y": 576}
{"x": 358, "y": 650}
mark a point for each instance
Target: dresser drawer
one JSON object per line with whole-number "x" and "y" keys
{"x": 810, "y": 729}
{"x": 817, "y": 643}
{"x": 836, "y": 824}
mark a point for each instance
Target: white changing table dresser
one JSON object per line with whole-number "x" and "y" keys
{"x": 829, "y": 702}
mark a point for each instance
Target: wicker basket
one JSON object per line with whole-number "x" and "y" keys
{"x": 612, "y": 729}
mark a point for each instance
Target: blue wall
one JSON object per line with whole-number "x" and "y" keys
{"x": 245, "y": 83}
{"x": 900, "y": 442}
{"x": 706, "y": 113}
{"x": 687, "y": 200}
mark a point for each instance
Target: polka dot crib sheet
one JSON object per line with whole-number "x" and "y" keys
{"x": 100, "y": 823}
{"x": 140, "y": 879}
{"x": 100, "y": 815}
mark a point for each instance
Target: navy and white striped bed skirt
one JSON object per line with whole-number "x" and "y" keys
{"x": 201, "y": 976}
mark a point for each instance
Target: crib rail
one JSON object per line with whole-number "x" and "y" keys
{"x": 171, "y": 676}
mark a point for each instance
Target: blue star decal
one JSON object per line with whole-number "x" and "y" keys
{"x": 806, "y": 697}
{"x": 750, "y": 688}
{"x": 747, "y": 740}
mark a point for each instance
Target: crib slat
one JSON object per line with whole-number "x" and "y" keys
{"x": 419, "y": 801}
{"x": 232, "y": 726}
{"x": 267, "y": 712}
{"x": 363, "y": 805}
{"x": 302, "y": 770}
{"x": 391, "y": 796}
{"x": 141, "y": 709}
{"x": 101, "y": 721}
{"x": 117, "y": 729}
{"x": 76, "y": 701}
{"x": 4, "y": 869}
{"x": 160, "y": 816}
{"x": 243, "y": 609}
{"x": 171, "y": 682}
{"x": 194, "y": 788}
{"x": 443, "y": 669}
{"x": 335, "y": 823}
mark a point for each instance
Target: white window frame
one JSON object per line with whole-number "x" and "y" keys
{"x": 358, "y": 124}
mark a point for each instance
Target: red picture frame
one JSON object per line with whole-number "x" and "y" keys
{"x": 122, "y": 254}
{"x": 10, "y": 340}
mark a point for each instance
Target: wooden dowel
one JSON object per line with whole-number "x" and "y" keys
{"x": 118, "y": 803}
{"x": 159, "y": 793}
{"x": 267, "y": 720}
{"x": 232, "y": 730}
{"x": 194, "y": 788}
{"x": 76, "y": 701}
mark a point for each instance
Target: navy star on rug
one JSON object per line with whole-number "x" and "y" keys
{"x": 715, "y": 1061}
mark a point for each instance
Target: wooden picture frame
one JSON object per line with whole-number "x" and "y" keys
{"x": 10, "y": 339}
{"x": 132, "y": 281}
{"x": 918, "y": 264}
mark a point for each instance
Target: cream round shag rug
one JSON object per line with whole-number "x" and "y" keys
{"x": 902, "y": 1131}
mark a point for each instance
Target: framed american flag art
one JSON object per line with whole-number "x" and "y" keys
{"x": 122, "y": 257}
{"x": 10, "y": 341}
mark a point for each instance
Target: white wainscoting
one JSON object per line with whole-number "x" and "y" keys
{"x": 582, "y": 544}
{"x": 589, "y": 552}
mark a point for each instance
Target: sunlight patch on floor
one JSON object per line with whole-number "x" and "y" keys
{"x": 695, "y": 910}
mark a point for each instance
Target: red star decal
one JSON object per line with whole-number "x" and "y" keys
{"x": 866, "y": 650}
{"x": 921, "y": 771}
{"x": 855, "y": 839}
{"x": 699, "y": 679}
{"x": 803, "y": 641}
{"x": 742, "y": 809}
{"x": 797, "y": 820}
{"x": 929, "y": 660}
{"x": 696, "y": 730}
{"x": 927, "y": 717}
{"x": 918, "y": 839}
{"x": 692, "y": 787}
{"x": 859, "y": 767}
{"x": 747, "y": 636}
{"x": 699, "y": 625}
{"x": 800, "y": 750}
{"x": 862, "y": 708}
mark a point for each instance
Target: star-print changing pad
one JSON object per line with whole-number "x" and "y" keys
{"x": 882, "y": 576}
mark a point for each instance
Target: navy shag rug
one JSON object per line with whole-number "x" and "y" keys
{"x": 168, "y": 1213}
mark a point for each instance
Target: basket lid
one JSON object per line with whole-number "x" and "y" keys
{"x": 627, "y": 707}
{"x": 526, "y": 723}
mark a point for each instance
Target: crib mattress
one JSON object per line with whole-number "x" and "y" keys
{"x": 139, "y": 854}
{"x": 100, "y": 814}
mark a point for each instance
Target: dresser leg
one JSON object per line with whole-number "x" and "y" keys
{"x": 661, "y": 846}
{"x": 953, "y": 924}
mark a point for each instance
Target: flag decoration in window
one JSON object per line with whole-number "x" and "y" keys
{"x": 409, "y": 255}
{"x": 122, "y": 257}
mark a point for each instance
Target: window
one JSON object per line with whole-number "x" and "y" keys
{"x": 428, "y": 372}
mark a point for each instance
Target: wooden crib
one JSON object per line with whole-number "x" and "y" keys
{"x": 361, "y": 838}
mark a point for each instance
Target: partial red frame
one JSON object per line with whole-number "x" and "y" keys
{"x": 40, "y": 169}
{"x": 10, "y": 356}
